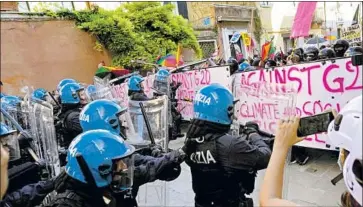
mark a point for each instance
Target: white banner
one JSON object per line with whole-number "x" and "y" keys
{"x": 192, "y": 81}
{"x": 321, "y": 85}
{"x": 120, "y": 91}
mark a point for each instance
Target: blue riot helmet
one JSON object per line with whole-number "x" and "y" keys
{"x": 2, "y": 95}
{"x": 162, "y": 75}
{"x": 11, "y": 100}
{"x": 64, "y": 82}
{"x": 103, "y": 114}
{"x": 9, "y": 140}
{"x": 134, "y": 83}
{"x": 73, "y": 93}
{"x": 40, "y": 94}
{"x": 243, "y": 66}
{"x": 108, "y": 157}
{"x": 161, "y": 81}
{"x": 90, "y": 90}
{"x": 214, "y": 103}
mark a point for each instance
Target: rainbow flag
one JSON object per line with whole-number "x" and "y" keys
{"x": 169, "y": 61}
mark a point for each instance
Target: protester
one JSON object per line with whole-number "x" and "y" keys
{"x": 4, "y": 171}
{"x": 311, "y": 53}
{"x": 326, "y": 53}
{"x": 345, "y": 132}
{"x": 340, "y": 47}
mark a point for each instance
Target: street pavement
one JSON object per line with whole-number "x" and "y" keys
{"x": 307, "y": 185}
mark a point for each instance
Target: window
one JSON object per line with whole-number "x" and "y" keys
{"x": 208, "y": 47}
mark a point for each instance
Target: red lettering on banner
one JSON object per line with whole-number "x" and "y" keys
{"x": 338, "y": 80}
{"x": 292, "y": 78}
{"x": 308, "y": 69}
{"x": 278, "y": 77}
{"x": 259, "y": 110}
{"x": 349, "y": 69}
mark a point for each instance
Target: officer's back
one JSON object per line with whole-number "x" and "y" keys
{"x": 223, "y": 166}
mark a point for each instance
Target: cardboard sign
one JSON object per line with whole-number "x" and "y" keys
{"x": 352, "y": 34}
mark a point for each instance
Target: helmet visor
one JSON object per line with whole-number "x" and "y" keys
{"x": 10, "y": 143}
{"x": 123, "y": 174}
{"x": 83, "y": 98}
{"x": 122, "y": 121}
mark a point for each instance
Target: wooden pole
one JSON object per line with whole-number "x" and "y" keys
{"x": 251, "y": 31}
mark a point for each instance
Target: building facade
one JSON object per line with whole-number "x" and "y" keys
{"x": 215, "y": 23}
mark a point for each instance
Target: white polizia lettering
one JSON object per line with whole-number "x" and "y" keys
{"x": 84, "y": 117}
{"x": 202, "y": 157}
{"x": 202, "y": 98}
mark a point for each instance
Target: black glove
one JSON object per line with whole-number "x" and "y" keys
{"x": 59, "y": 182}
{"x": 156, "y": 151}
{"x": 30, "y": 195}
{"x": 173, "y": 170}
{"x": 188, "y": 146}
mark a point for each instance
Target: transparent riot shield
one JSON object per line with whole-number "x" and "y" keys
{"x": 43, "y": 131}
{"x": 103, "y": 92}
{"x": 157, "y": 114}
{"x": 265, "y": 103}
{"x": 156, "y": 110}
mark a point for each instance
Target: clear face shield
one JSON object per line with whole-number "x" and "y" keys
{"x": 83, "y": 98}
{"x": 122, "y": 121}
{"x": 161, "y": 84}
{"x": 11, "y": 144}
{"x": 123, "y": 174}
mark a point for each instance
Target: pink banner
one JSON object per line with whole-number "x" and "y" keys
{"x": 303, "y": 18}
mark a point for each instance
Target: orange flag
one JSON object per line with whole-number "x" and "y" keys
{"x": 265, "y": 50}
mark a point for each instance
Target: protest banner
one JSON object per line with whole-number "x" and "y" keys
{"x": 120, "y": 91}
{"x": 192, "y": 81}
{"x": 320, "y": 86}
{"x": 352, "y": 33}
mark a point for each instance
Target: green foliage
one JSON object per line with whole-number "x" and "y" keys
{"x": 136, "y": 30}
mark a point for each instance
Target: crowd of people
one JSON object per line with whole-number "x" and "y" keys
{"x": 341, "y": 48}
{"x": 100, "y": 167}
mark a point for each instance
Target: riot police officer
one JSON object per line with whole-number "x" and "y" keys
{"x": 29, "y": 195}
{"x": 99, "y": 163}
{"x": 136, "y": 89}
{"x": 72, "y": 98}
{"x": 223, "y": 166}
{"x": 164, "y": 87}
{"x": 152, "y": 163}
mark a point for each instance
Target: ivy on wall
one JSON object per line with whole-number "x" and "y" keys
{"x": 134, "y": 30}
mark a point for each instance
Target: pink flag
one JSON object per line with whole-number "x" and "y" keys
{"x": 303, "y": 18}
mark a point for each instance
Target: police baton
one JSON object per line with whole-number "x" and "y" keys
{"x": 147, "y": 123}
{"x": 88, "y": 176}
